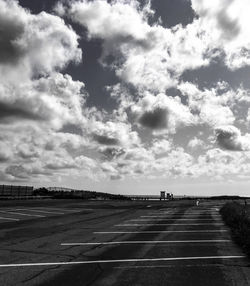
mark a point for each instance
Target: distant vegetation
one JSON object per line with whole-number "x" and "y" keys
{"x": 237, "y": 217}
{"x": 87, "y": 195}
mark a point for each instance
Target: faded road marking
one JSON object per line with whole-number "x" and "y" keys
{"x": 121, "y": 261}
{"x": 8, "y": 218}
{"x": 144, "y": 242}
{"x": 17, "y": 213}
{"x": 39, "y": 211}
{"x": 161, "y": 231}
{"x": 159, "y": 224}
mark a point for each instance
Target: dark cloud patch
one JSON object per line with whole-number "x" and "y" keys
{"x": 229, "y": 137}
{"x": 155, "y": 119}
{"x": 72, "y": 129}
{"x": 17, "y": 171}
{"x": 115, "y": 177}
{"x": 3, "y": 157}
{"x": 230, "y": 27}
{"x": 60, "y": 165}
{"x": 10, "y": 31}
{"x": 105, "y": 140}
{"x": 16, "y": 110}
{"x": 112, "y": 153}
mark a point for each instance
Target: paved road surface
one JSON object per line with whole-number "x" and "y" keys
{"x": 117, "y": 243}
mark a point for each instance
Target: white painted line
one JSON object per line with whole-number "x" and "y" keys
{"x": 17, "y": 213}
{"x": 35, "y": 210}
{"x": 187, "y": 215}
{"x": 64, "y": 210}
{"x": 160, "y": 224}
{"x": 57, "y": 209}
{"x": 42, "y": 211}
{"x": 143, "y": 242}
{"x": 8, "y": 218}
{"x": 183, "y": 218}
{"x": 157, "y": 219}
{"x": 162, "y": 231}
{"x": 121, "y": 261}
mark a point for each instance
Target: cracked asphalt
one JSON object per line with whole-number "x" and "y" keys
{"x": 77, "y": 242}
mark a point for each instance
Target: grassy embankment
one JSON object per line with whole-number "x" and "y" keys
{"x": 237, "y": 217}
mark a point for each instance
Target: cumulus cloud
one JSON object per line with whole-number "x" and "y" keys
{"x": 36, "y": 44}
{"x": 48, "y": 130}
{"x": 211, "y": 105}
{"x": 147, "y": 56}
{"x": 195, "y": 142}
{"x": 229, "y": 137}
{"x": 114, "y": 133}
{"x": 162, "y": 113}
{"x": 227, "y": 24}
{"x": 57, "y": 99}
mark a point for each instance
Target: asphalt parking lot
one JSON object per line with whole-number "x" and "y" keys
{"x": 75, "y": 242}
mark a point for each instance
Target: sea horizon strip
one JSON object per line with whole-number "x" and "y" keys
{"x": 145, "y": 242}
{"x": 121, "y": 261}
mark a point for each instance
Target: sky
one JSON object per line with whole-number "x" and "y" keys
{"x": 126, "y": 96}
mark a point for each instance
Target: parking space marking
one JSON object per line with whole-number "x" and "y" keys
{"x": 57, "y": 209}
{"x": 8, "y": 218}
{"x": 35, "y": 210}
{"x": 17, "y": 213}
{"x": 160, "y": 224}
{"x": 155, "y": 220}
{"x": 162, "y": 231}
{"x": 122, "y": 261}
{"x": 205, "y": 219}
{"x": 144, "y": 242}
{"x": 187, "y": 215}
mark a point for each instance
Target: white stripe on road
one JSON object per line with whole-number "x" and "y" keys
{"x": 160, "y": 224}
{"x": 46, "y": 212}
{"x": 121, "y": 261}
{"x": 185, "y": 215}
{"x": 35, "y": 210}
{"x": 8, "y": 218}
{"x": 64, "y": 210}
{"x": 143, "y": 242}
{"x": 159, "y": 219}
{"x": 154, "y": 220}
{"x": 17, "y": 213}
{"x": 181, "y": 218}
{"x": 56, "y": 209}
{"x": 161, "y": 231}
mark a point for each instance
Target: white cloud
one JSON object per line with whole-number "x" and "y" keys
{"x": 227, "y": 24}
{"x": 162, "y": 113}
{"x": 195, "y": 142}
{"x": 148, "y": 56}
{"x": 161, "y": 146}
{"x": 32, "y": 45}
{"x": 113, "y": 133}
{"x": 229, "y": 137}
{"x": 211, "y": 105}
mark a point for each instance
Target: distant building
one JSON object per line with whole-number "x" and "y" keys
{"x": 170, "y": 196}
{"x": 163, "y": 195}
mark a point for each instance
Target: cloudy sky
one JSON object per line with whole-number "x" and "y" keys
{"x": 126, "y": 96}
